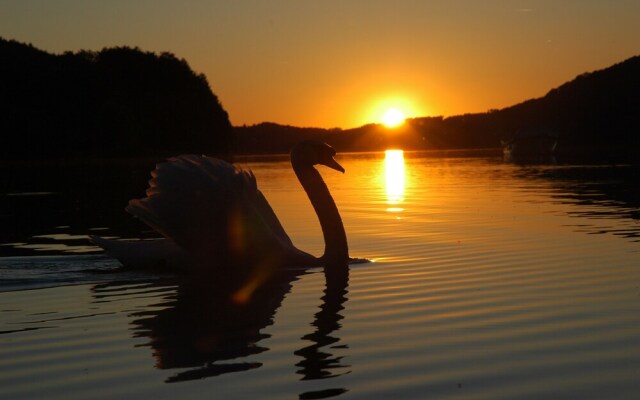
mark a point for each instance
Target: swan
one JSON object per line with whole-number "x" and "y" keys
{"x": 214, "y": 219}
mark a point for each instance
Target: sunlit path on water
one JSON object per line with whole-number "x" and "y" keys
{"x": 394, "y": 179}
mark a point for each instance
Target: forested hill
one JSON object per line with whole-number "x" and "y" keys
{"x": 118, "y": 102}
{"x": 123, "y": 102}
{"x": 595, "y": 112}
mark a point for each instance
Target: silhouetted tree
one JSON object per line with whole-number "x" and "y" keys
{"x": 112, "y": 103}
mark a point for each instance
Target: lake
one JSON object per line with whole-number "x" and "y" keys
{"x": 488, "y": 280}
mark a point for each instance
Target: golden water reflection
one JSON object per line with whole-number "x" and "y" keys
{"x": 395, "y": 179}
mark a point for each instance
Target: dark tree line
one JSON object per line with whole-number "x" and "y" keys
{"x": 594, "y": 113}
{"x": 118, "y": 102}
{"x": 123, "y": 102}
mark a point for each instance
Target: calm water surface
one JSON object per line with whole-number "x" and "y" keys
{"x": 490, "y": 280}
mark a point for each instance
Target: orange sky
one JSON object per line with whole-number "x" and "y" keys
{"x": 342, "y": 63}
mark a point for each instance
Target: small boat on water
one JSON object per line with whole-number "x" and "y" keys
{"x": 530, "y": 143}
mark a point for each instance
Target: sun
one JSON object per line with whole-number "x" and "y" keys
{"x": 391, "y": 111}
{"x": 393, "y": 117}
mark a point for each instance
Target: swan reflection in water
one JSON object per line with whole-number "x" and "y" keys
{"x": 201, "y": 328}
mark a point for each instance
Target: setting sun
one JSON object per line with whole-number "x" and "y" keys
{"x": 392, "y": 110}
{"x": 393, "y": 117}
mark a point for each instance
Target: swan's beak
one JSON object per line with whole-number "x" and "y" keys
{"x": 333, "y": 164}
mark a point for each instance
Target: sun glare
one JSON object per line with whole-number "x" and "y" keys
{"x": 393, "y": 117}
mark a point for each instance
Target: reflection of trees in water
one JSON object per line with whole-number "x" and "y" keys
{"x": 70, "y": 199}
{"x": 200, "y": 329}
{"x": 600, "y": 192}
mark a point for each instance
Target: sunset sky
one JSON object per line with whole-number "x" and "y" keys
{"x": 344, "y": 63}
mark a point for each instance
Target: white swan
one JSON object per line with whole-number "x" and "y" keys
{"x": 214, "y": 218}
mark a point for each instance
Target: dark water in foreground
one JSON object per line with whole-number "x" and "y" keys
{"x": 491, "y": 280}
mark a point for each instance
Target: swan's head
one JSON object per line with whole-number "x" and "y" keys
{"x": 314, "y": 152}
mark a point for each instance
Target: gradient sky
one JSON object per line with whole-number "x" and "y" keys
{"x": 342, "y": 63}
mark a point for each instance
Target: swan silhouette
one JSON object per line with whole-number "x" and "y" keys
{"x": 214, "y": 219}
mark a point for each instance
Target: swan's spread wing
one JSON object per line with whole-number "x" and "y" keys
{"x": 210, "y": 208}
{"x": 270, "y": 218}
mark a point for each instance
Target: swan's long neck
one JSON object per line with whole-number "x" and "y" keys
{"x": 336, "y": 249}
